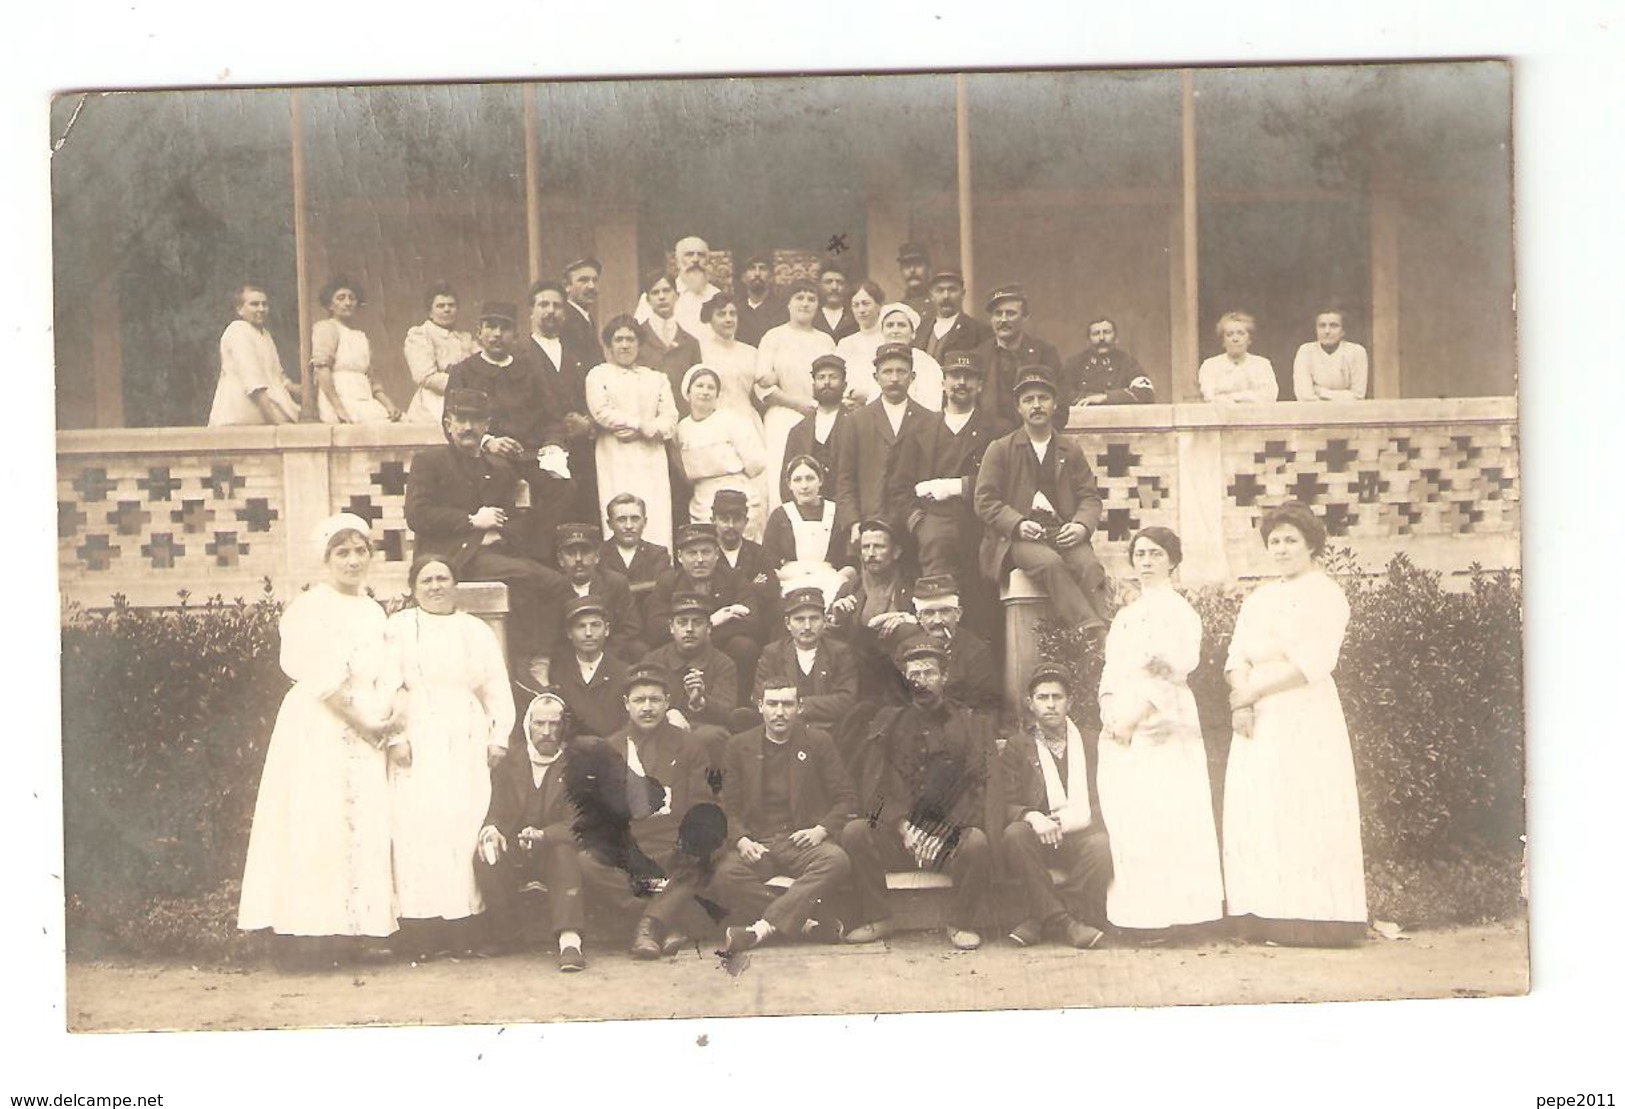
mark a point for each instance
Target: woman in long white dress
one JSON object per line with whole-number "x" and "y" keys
{"x": 805, "y": 535}
{"x": 1151, "y": 769}
{"x": 733, "y": 361}
{"x": 637, "y": 414}
{"x": 432, "y": 348}
{"x": 719, "y": 450}
{"x": 318, "y": 863}
{"x": 1293, "y": 865}
{"x": 341, "y": 357}
{"x": 784, "y": 365}
{"x": 859, "y": 347}
{"x": 898, "y": 324}
{"x": 454, "y": 697}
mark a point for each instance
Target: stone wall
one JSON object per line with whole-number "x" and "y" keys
{"x": 151, "y": 513}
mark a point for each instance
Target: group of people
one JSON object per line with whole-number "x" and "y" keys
{"x": 755, "y": 634}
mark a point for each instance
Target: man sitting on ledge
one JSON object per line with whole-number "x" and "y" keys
{"x": 1037, "y": 496}
{"x": 460, "y": 505}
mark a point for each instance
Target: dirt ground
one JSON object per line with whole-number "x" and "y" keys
{"x": 913, "y": 972}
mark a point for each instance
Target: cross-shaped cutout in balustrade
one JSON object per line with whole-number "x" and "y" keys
{"x": 93, "y": 483}
{"x": 1149, "y": 490}
{"x": 1491, "y": 483}
{"x": 1307, "y": 488}
{"x": 69, "y": 519}
{"x": 97, "y": 552}
{"x": 193, "y": 516}
{"x": 1120, "y": 524}
{"x": 1403, "y": 446}
{"x": 1462, "y": 515}
{"x": 1274, "y": 448}
{"x": 361, "y": 505}
{"x": 1337, "y": 456}
{"x": 1370, "y": 487}
{"x": 226, "y": 548}
{"x": 1339, "y": 518}
{"x": 158, "y": 484}
{"x": 223, "y": 481}
{"x": 1403, "y": 517}
{"x": 1117, "y": 459}
{"x": 1462, "y": 449}
{"x": 163, "y": 550}
{"x": 1245, "y": 490}
{"x": 1433, "y": 484}
{"x": 129, "y": 517}
{"x": 258, "y": 514}
{"x": 391, "y": 478}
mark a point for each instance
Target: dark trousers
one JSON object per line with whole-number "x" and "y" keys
{"x": 1073, "y": 578}
{"x": 876, "y": 849}
{"x": 1085, "y": 861}
{"x": 744, "y": 650}
{"x": 557, "y": 866}
{"x": 533, "y": 591}
{"x": 818, "y": 873}
{"x": 939, "y": 546}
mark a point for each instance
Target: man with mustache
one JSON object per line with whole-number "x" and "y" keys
{"x": 561, "y": 365}
{"x": 759, "y": 309}
{"x": 914, "y": 264}
{"x": 819, "y": 435}
{"x": 946, "y": 328}
{"x": 581, "y": 289}
{"x": 1010, "y": 348}
{"x": 833, "y": 318}
{"x": 1104, "y": 373}
{"x": 871, "y": 608}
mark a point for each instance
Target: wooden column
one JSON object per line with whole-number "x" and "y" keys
{"x": 967, "y": 263}
{"x": 1184, "y": 306}
{"x": 533, "y": 193}
{"x": 1385, "y": 213}
{"x": 301, "y": 265}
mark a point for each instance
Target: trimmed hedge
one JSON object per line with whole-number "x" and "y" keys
{"x": 166, "y": 714}
{"x": 1432, "y": 686}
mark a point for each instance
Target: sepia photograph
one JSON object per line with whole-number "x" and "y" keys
{"x": 538, "y": 551}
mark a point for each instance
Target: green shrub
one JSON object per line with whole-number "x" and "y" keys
{"x": 1432, "y": 685}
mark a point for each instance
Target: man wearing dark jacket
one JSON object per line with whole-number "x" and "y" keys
{"x": 628, "y": 553}
{"x": 1010, "y": 349}
{"x": 874, "y": 431}
{"x": 459, "y": 504}
{"x": 923, "y": 779}
{"x": 787, "y": 796}
{"x": 591, "y": 681}
{"x": 821, "y": 668}
{"x": 561, "y": 365}
{"x": 736, "y": 608}
{"x": 577, "y": 546}
{"x": 707, "y": 681}
{"x": 1104, "y": 373}
{"x": 946, "y": 328}
{"x": 819, "y": 435}
{"x": 971, "y": 675}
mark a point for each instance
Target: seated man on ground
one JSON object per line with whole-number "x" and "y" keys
{"x": 821, "y": 668}
{"x": 460, "y": 505}
{"x": 707, "y": 690}
{"x": 1052, "y": 823}
{"x": 529, "y": 835}
{"x": 591, "y": 682}
{"x": 667, "y": 764}
{"x": 577, "y": 547}
{"x": 736, "y": 605}
{"x": 923, "y": 773}
{"x": 787, "y": 796}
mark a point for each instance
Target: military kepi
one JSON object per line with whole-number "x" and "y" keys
{"x": 1034, "y": 377}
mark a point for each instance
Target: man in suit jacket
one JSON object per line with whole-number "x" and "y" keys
{"x": 923, "y": 781}
{"x": 874, "y": 430}
{"x": 530, "y": 835}
{"x": 1051, "y": 820}
{"x": 628, "y": 553}
{"x": 759, "y": 310}
{"x": 577, "y": 545}
{"x": 707, "y": 689}
{"x": 834, "y": 317}
{"x": 1039, "y": 504}
{"x": 787, "y": 796}
{"x": 591, "y": 682}
{"x": 561, "y": 363}
{"x": 821, "y": 668}
{"x": 1010, "y": 349}
{"x": 460, "y": 504}
{"x": 745, "y": 558}
{"x": 658, "y": 751}
{"x": 663, "y": 344}
{"x": 869, "y": 609}
{"x": 581, "y": 290}
{"x": 819, "y": 435}
{"x": 736, "y": 606}
{"x": 946, "y": 328}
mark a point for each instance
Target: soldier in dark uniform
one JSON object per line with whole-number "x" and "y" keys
{"x": 923, "y": 773}
{"x": 736, "y": 606}
{"x": 591, "y": 682}
{"x": 759, "y": 309}
{"x": 971, "y": 676}
{"x": 946, "y": 328}
{"x": 1011, "y": 348}
{"x": 1103, "y": 372}
{"x": 915, "y": 265}
{"x": 628, "y": 553}
{"x": 579, "y": 560}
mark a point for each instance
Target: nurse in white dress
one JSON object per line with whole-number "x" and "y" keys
{"x": 341, "y": 358}
{"x": 784, "y": 368}
{"x": 859, "y": 347}
{"x": 318, "y": 862}
{"x": 734, "y": 362}
{"x": 1293, "y": 864}
{"x": 719, "y": 450}
{"x": 637, "y": 416}
{"x": 1152, "y": 770}
{"x": 452, "y": 692}
{"x": 432, "y": 348}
